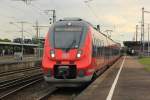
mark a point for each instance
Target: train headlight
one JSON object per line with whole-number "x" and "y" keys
{"x": 79, "y": 53}
{"x": 52, "y": 53}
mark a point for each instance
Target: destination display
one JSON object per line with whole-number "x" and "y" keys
{"x": 72, "y": 29}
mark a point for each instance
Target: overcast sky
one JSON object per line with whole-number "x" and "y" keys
{"x": 121, "y": 16}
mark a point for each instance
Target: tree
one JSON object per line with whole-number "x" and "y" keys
{"x": 35, "y": 41}
{"x": 5, "y": 40}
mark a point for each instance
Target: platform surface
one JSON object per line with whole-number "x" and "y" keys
{"x": 5, "y": 59}
{"x": 133, "y": 83}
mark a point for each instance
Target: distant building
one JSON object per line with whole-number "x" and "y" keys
{"x": 11, "y": 47}
{"x": 136, "y": 47}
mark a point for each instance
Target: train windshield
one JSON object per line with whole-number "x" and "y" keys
{"x": 67, "y": 37}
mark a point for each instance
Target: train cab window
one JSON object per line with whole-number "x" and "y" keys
{"x": 64, "y": 37}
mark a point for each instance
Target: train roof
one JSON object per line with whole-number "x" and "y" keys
{"x": 109, "y": 38}
{"x": 72, "y": 21}
{"x": 81, "y": 22}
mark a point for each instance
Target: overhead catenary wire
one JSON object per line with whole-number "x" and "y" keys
{"x": 91, "y": 10}
{"x": 22, "y": 11}
{"x": 88, "y": 4}
{"x": 24, "y": 30}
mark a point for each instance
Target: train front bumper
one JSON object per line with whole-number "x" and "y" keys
{"x": 68, "y": 82}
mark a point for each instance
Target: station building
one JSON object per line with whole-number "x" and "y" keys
{"x": 136, "y": 47}
{"x": 10, "y": 48}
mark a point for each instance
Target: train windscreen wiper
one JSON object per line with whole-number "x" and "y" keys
{"x": 71, "y": 45}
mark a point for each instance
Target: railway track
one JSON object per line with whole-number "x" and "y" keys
{"x": 9, "y": 79}
{"x": 67, "y": 93}
{"x": 48, "y": 93}
{"x": 15, "y": 67}
{"x": 61, "y": 94}
{"x": 20, "y": 75}
{"x": 45, "y": 94}
{"x": 17, "y": 71}
{"x": 33, "y": 90}
{"x": 14, "y": 80}
{"x": 8, "y": 90}
{"x": 30, "y": 88}
{"x": 8, "y": 84}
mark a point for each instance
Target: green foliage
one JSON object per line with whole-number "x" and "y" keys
{"x": 5, "y": 40}
{"x": 147, "y": 68}
{"x": 145, "y": 61}
{"x": 140, "y": 56}
{"x": 34, "y": 40}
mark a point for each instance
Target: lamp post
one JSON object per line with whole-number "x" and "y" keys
{"x": 22, "y": 35}
{"x": 136, "y": 33}
{"x": 53, "y": 15}
{"x": 37, "y": 28}
{"x": 142, "y": 28}
{"x": 148, "y": 40}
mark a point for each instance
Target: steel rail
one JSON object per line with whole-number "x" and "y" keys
{"x": 19, "y": 81}
{"x": 21, "y": 87}
{"x": 17, "y": 71}
{"x": 9, "y": 80}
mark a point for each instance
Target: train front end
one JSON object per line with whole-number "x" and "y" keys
{"x": 67, "y": 58}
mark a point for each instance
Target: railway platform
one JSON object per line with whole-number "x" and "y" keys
{"x": 5, "y": 59}
{"x": 125, "y": 80}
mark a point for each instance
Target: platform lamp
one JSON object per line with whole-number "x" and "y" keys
{"x": 22, "y": 31}
{"x": 142, "y": 27}
{"x": 148, "y": 40}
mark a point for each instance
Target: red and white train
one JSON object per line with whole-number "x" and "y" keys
{"x": 74, "y": 53}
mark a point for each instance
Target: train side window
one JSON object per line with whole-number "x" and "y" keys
{"x": 99, "y": 49}
{"x": 96, "y": 48}
{"x": 93, "y": 50}
{"x": 93, "y": 40}
{"x": 102, "y": 48}
{"x": 113, "y": 51}
{"x": 107, "y": 51}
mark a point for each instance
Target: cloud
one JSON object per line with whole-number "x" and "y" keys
{"x": 123, "y": 14}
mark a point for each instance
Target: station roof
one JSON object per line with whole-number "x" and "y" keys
{"x": 17, "y": 44}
